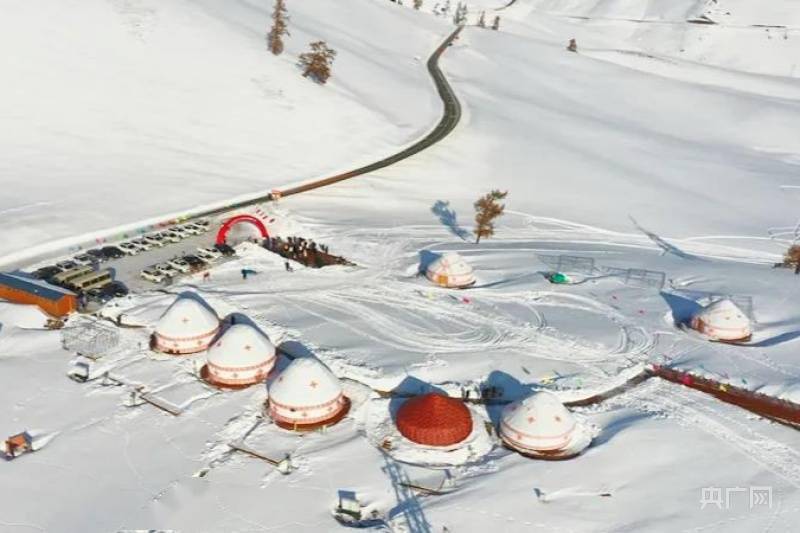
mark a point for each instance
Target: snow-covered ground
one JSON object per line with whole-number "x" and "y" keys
{"x": 625, "y": 153}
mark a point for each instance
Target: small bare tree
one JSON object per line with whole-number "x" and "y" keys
{"x": 279, "y": 29}
{"x": 792, "y": 258}
{"x": 487, "y": 209}
{"x": 482, "y": 20}
{"x": 496, "y": 23}
{"x": 317, "y": 63}
{"x": 417, "y": 4}
{"x": 460, "y": 16}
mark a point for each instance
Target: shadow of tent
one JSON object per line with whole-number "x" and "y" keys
{"x": 617, "y": 426}
{"x": 426, "y": 257}
{"x": 777, "y": 339}
{"x": 502, "y": 386}
{"x": 197, "y": 298}
{"x": 682, "y": 308}
{"x": 407, "y": 388}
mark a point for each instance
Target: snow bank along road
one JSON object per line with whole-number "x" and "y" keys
{"x": 450, "y": 117}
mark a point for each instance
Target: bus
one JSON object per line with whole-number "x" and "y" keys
{"x": 91, "y": 281}
{"x": 63, "y": 278}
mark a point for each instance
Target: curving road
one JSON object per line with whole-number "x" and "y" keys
{"x": 450, "y": 118}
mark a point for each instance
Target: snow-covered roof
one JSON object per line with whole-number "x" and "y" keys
{"x": 305, "y": 382}
{"x": 539, "y": 422}
{"x": 187, "y": 318}
{"x": 723, "y": 313}
{"x": 451, "y": 269}
{"x": 241, "y": 346}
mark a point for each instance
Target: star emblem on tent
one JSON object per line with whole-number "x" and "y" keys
{"x": 558, "y": 419}
{"x": 185, "y": 320}
{"x": 247, "y": 348}
{"x": 531, "y": 419}
{"x": 313, "y": 384}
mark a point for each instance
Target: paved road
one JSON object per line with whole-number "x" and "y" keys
{"x": 128, "y": 268}
{"x": 450, "y": 117}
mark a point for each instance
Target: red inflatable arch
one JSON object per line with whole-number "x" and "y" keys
{"x": 223, "y": 231}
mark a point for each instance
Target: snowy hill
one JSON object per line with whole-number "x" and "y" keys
{"x": 115, "y": 111}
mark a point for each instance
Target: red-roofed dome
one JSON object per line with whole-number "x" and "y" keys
{"x": 434, "y": 420}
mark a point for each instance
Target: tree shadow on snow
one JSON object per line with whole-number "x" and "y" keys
{"x": 447, "y": 216}
{"x": 682, "y": 308}
{"x": 407, "y": 389}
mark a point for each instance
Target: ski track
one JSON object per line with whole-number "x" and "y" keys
{"x": 691, "y": 411}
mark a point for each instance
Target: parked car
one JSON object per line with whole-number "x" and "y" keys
{"x": 67, "y": 265}
{"x": 208, "y": 254}
{"x": 203, "y": 223}
{"x": 151, "y": 274}
{"x": 172, "y": 236}
{"x": 182, "y": 233}
{"x": 202, "y": 228}
{"x": 180, "y": 265}
{"x": 46, "y": 272}
{"x": 142, "y": 244}
{"x": 115, "y": 289}
{"x": 166, "y": 269}
{"x": 112, "y": 252}
{"x": 129, "y": 248}
{"x": 155, "y": 239}
{"x": 190, "y": 229}
{"x": 225, "y": 249}
{"x": 84, "y": 259}
{"x": 97, "y": 295}
{"x": 195, "y": 262}
{"x": 98, "y": 254}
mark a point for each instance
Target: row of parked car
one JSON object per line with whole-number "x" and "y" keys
{"x": 131, "y": 247}
{"x": 186, "y": 264}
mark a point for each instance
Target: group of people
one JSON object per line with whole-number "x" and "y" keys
{"x": 304, "y": 251}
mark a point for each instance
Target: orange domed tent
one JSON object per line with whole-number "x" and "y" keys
{"x": 434, "y": 420}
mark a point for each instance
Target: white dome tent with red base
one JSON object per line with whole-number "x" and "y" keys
{"x": 451, "y": 271}
{"x": 539, "y": 426}
{"x": 306, "y": 396}
{"x": 241, "y": 357}
{"x": 723, "y": 321}
{"x": 188, "y": 326}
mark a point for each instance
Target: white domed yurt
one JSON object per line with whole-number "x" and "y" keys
{"x": 241, "y": 357}
{"x": 452, "y": 271}
{"x": 186, "y": 327}
{"x": 723, "y": 321}
{"x": 306, "y": 395}
{"x": 539, "y": 426}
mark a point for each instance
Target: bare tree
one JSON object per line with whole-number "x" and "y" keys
{"x": 487, "y": 209}
{"x": 279, "y": 29}
{"x": 460, "y": 16}
{"x": 496, "y": 23}
{"x": 417, "y": 4}
{"x": 317, "y": 63}
{"x": 792, "y": 258}
{"x": 572, "y": 46}
{"x": 482, "y": 20}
